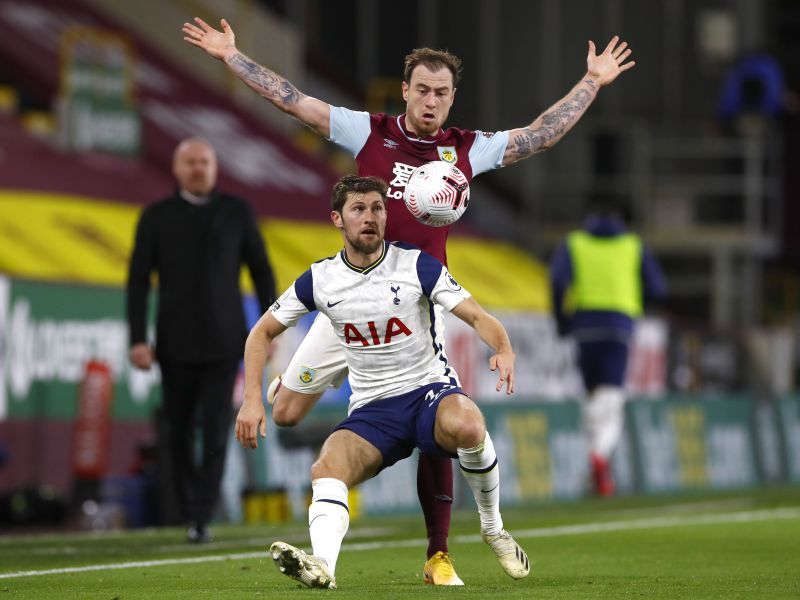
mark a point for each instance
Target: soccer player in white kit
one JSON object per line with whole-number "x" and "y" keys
{"x": 390, "y": 147}
{"x": 380, "y": 299}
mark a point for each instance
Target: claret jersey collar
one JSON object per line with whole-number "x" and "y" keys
{"x": 429, "y": 139}
{"x": 368, "y": 268}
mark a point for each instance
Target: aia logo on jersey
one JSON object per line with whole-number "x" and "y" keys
{"x": 447, "y": 154}
{"x": 394, "y": 328}
{"x": 390, "y": 144}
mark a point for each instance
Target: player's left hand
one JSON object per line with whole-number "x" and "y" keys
{"x": 216, "y": 43}
{"x": 503, "y": 362}
{"x": 604, "y": 68}
{"x": 251, "y": 421}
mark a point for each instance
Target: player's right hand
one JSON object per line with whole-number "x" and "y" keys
{"x": 141, "y": 356}
{"x": 504, "y": 363}
{"x": 250, "y": 422}
{"x": 218, "y": 44}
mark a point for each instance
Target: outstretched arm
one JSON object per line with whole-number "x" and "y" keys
{"x": 252, "y": 418}
{"x": 266, "y": 83}
{"x": 557, "y": 120}
{"x": 491, "y": 331}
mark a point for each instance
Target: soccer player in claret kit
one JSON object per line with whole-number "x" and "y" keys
{"x": 391, "y": 147}
{"x": 379, "y": 298}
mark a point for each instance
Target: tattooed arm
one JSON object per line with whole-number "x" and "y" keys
{"x": 266, "y": 83}
{"x": 557, "y": 120}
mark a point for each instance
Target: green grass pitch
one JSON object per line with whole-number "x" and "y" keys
{"x": 742, "y": 544}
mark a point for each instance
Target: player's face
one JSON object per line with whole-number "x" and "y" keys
{"x": 429, "y": 96}
{"x": 363, "y": 221}
{"x": 195, "y": 167}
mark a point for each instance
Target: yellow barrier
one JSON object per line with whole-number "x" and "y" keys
{"x": 270, "y": 506}
{"x": 64, "y": 238}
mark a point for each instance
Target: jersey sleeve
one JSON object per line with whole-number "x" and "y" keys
{"x": 437, "y": 283}
{"x": 487, "y": 151}
{"x": 349, "y": 129}
{"x": 296, "y": 301}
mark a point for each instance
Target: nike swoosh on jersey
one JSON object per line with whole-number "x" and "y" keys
{"x": 332, "y": 304}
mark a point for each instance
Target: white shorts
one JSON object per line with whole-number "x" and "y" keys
{"x": 319, "y": 362}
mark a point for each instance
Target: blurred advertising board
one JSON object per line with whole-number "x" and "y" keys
{"x": 701, "y": 443}
{"x": 789, "y": 419}
{"x": 678, "y": 445}
{"x": 50, "y": 332}
{"x": 97, "y": 111}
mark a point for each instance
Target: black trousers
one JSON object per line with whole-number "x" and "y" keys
{"x": 197, "y": 397}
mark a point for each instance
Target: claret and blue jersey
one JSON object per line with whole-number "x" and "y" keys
{"x": 383, "y": 147}
{"x": 384, "y": 318}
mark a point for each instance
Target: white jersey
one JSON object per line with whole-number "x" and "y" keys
{"x": 383, "y": 316}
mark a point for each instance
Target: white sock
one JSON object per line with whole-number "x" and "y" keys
{"x": 480, "y": 469}
{"x": 328, "y": 519}
{"x": 604, "y": 417}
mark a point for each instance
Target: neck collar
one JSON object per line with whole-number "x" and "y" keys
{"x": 368, "y": 268}
{"x": 429, "y": 139}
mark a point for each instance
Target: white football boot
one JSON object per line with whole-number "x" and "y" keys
{"x": 509, "y": 553}
{"x": 274, "y": 385}
{"x": 311, "y": 571}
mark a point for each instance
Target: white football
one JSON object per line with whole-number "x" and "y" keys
{"x": 437, "y": 193}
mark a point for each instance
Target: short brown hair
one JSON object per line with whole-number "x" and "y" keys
{"x": 434, "y": 60}
{"x": 355, "y": 184}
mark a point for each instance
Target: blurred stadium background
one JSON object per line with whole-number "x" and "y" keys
{"x": 95, "y": 94}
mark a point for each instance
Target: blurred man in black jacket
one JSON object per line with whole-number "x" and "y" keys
{"x": 196, "y": 240}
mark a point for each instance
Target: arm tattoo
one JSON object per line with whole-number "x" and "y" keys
{"x": 552, "y": 125}
{"x": 265, "y": 82}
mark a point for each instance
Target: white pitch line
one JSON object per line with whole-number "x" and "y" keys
{"x": 134, "y": 565}
{"x": 586, "y": 528}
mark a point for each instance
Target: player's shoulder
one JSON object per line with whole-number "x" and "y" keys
{"x": 405, "y": 247}
{"x": 383, "y": 123}
{"x": 458, "y": 134}
{"x": 466, "y": 136}
{"x": 323, "y": 267}
{"x": 422, "y": 260}
{"x": 380, "y": 118}
{"x": 327, "y": 261}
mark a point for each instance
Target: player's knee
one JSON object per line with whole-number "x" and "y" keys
{"x": 471, "y": 432}
{"x": 285, "y": 414}
{"x": 320, "y": 469}
{"x": 459, "y": 420}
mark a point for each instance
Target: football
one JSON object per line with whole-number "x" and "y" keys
{"x": 437, "y": 193}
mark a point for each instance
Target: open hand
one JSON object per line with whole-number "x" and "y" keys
{"x": 216, "y": 43}
{"x": 503, "y": 362}
{"x": 604, "y": 68}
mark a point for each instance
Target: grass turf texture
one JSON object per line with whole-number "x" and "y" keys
{"x": 725, "y": 545}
